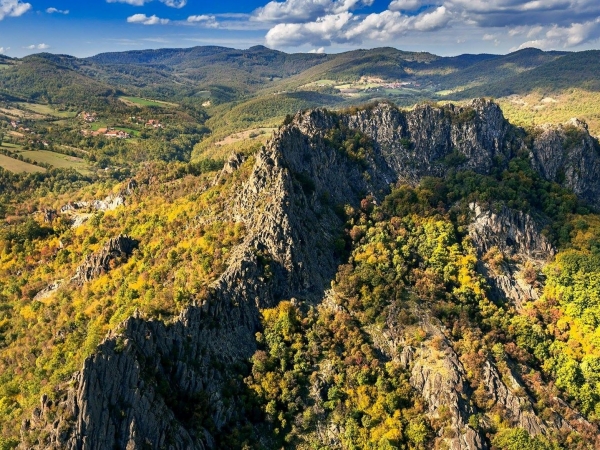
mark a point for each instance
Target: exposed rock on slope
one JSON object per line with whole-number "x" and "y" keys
{"x": 422, "y": 141}
{"x": 512, "y": 249}
{"x": 570, "y": 156}
{"x": 95, "y": 264}
{"x": 144, "y": 383}
{"x": 100, "y": 262}
{"x": 517, "y": 409}
{"x": 440, "y": 377}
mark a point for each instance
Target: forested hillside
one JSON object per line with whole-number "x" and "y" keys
{"x": 212, "y": 248}
{"x": 290, "y": 297}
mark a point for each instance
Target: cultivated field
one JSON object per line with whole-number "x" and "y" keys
{"x": 47, "y": 110}
{"x": 58, "y": 160}
{"x": 14, "y": 165}
{"x": 16, "y": 113}
{"x": 11, "y": 147}
{"x": 133, "y": 101}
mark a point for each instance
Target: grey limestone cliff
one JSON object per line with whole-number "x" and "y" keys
{"x": 568, "y": 155}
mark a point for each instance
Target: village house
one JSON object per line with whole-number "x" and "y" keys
{"x": 153, "y": 123}
{"x": 117, "y": 134}
{"x": 88, "y": 117}
{"x": 107, "y": 132}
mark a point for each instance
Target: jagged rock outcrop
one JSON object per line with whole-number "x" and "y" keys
{"x": 100, "y": 262}
{"x": 48, "y": 290}
{"x": 95, "y": 264}
{"x": 510, "y": 231}
{"x": 49, "y": 215}
{"x": 140, "y": 387}
{"x": 512, "y": 250}
{"x": 424, "y": 141}
{"x": 108, "y": 204}
{"x": 439, "y": 376}
{"x": 517, "y": 409}
{"x": 79, "y": 212}
{"x": 568, "y": 155}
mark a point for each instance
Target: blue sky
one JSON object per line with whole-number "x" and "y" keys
{"x": 444, "y": 27}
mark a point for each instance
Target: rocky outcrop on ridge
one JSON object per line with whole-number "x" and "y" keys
{"x": 95, "y": 264}
{"x": 568, "y": 155}
{"x": 517, "y": 409}
{"x": 100, "y": 262}
{"x": 427, "y": 141}
{"x": 146, "y": 379}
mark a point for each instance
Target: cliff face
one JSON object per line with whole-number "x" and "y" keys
{"x": 568, "y": 155}
{"x": 512, "y": 250}
{"x": 427, "y": 141}
{"x": 156, "y": 385}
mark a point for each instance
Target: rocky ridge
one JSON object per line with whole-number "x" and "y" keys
{"x": 146, "y": 378}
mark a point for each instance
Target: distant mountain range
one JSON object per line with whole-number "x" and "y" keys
{"x": 218, "y": 75}
{"x": 176, "y": 72}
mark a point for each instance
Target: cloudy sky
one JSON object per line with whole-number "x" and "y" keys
{"x": 443, "y": 27}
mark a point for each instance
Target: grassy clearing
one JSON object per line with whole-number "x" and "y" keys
{"x": 14, "y": 165}
{"x": 47, "y": 110}
{"x": 21, "y": 114}
{"x": 95, "y": 126}
{"x": 138, "y": 101}
{"x": 58, "y": 160}
{"x": 319, "y": 83}
{"x": 68, "y": 147}
{"x": 131, "y": 131}
{"x": 261, "y": 134}
{"x": 11, "y": 147}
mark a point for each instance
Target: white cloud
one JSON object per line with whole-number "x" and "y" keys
{"x": 297, "y": 11}
{"x": 175, "y": 3}
{"x": 434, "y": 20}
{"x": 346, "y": 27}
{"x": 405, "y": 5}
{"x": 13, "y": 8}
{"x": 567, "y": 37}
{"x": 542, "y": 23}
{"x": 379, "y": 26}
{"x": 59, "y": 11}
{"x": 41, "y": 46}
{"x": 205, "y": 20}
{"x": 171, "y": 3}
{"x": 147, "y": 20}
{"x": 317, "y": 50}
{"x": 321, "y": 32}
{"x": 157, "y": 39}
{"x": 4, "y": 50}
{"x": 130, "y": 2}
{"x": 513, "y": 13}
